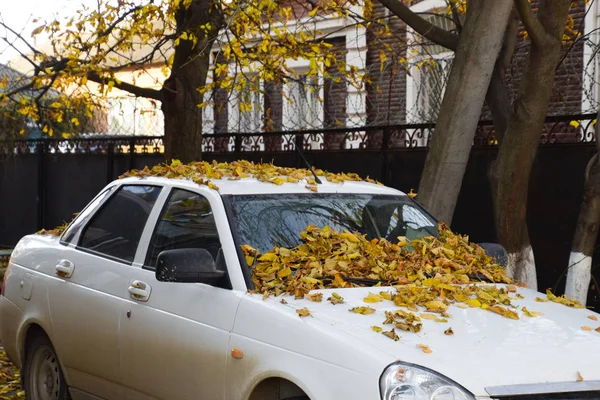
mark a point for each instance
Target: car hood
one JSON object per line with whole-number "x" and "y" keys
{"x": 486, "y": 349}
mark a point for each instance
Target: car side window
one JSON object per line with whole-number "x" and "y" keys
{"x": 187, "y": 221}
{"x": 116, "y": 228}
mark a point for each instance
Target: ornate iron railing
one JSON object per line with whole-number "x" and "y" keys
{"x": 557, "y": 129}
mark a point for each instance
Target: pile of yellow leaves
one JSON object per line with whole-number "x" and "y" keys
{"x": 201, "y": 172}
{"x": 54, "y": 232}
{"x": 428, "y": 273}
{"x": 329, "y": 259}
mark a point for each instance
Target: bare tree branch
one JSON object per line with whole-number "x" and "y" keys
{"x": 426, "y": 29}
{"x": 532, "y": 24}
{"x": 128, "y": 87}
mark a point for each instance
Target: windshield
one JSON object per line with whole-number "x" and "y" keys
{"x": 268, "y": 221}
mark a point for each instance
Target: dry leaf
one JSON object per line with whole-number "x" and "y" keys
{"x": 316, "y": 297}
{"x": 579, "y": 377}
{"x": 511, "y": 288}
{"x": 531, "y": 314}
{"x": 362, "y": 310}
{"x": 597, "y": 329}
{"x": 563, "y": 300}
{"x": 283, "y": 301}
{"x": 391, "y": 334}
{"x": 377, "y": 328}
{"x": 335, "y": 298}
{"x": 373, "y": 298}
{"x": 425, "y": 348}
{"x": 541, "y": 300}
{"x": 593, "y": 318}
{"x": 303, "y": 312}
{"x": 449, "y": 331}
{"x": 586, "y": 328}
{"x": 432, "y": 317}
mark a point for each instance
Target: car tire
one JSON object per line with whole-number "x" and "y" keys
{"x": 42, "y": 376}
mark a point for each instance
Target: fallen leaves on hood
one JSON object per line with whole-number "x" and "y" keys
{"x": 531, "y": 314}
{"x": 586, "y": 328}
{"x": 563, "y": 300}
{"x": 593, "y": 317}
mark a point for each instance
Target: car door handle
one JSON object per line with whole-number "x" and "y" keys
{"x": 139, "y": 290}
{"x": 64, "y": 268}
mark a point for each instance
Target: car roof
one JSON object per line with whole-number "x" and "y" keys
{"x": 254, "y": 186}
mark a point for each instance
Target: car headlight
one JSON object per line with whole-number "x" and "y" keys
{"x": 405, "y": 381}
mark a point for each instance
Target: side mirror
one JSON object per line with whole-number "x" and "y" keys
{"x": 496, "y": 251}
{"x": 187, "y": 265}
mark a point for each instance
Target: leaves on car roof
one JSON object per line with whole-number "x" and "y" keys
{"x": 201, "y": 172}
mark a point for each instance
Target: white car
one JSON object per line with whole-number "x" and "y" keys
{"x": 145, "y": 296}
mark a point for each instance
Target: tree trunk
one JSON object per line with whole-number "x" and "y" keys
{"x": 478, "y": 49}
{"x": 518, "y": 149}
{"x": 183, "y": 117}
{"x": 586, "y": 233}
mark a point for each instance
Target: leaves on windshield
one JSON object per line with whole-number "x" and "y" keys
{"x": 428, "y": 274}
{"x": 201, "y": 173}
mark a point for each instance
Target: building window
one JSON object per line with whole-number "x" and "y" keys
{"x": 246, "y": 108}
{"x": 430, "y": 66}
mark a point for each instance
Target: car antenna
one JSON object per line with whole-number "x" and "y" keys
{"x": 307, "y": 164}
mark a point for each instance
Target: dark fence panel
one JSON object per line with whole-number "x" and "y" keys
{"x": 18, "y": 198}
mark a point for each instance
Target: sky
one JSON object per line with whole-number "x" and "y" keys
{"x": 18, "y": 14}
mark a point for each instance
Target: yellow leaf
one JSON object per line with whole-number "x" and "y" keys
{"x": 335, "y": 298}
{"x": 376, "y": 328}
{"x": 284, "y": 272}
{"x": 362, "y": 310}
{"x": 373, "y": 298}
{"x": 593, "y": 318}
{"x": 316, "y": 297}
{"x": 303, "y": 312}
{"x": 586, "y": 328}
{"x": 391, "y": 334}
{"x": 579, "y": 377}
{"x": 425, "y": 348}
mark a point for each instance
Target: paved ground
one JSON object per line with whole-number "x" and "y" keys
{"x": 10, "y": 381}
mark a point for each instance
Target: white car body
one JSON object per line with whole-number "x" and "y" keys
{"x": 177, "y": 343}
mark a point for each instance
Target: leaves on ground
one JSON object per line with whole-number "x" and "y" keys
{"x": 10, "y": 380}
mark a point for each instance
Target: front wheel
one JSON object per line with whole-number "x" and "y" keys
{"x": 42, "y": 377}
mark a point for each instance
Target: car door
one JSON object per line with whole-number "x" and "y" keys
{"x": 86, "y": 299}
{"x": 174, "y": 336}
